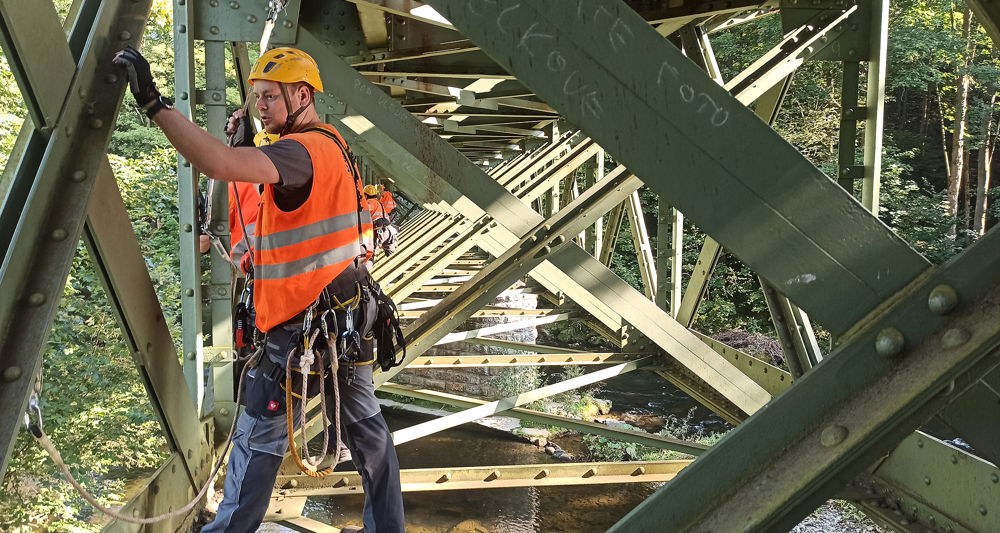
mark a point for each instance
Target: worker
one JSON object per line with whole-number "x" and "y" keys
{"x": 385, "y": 231}
{"x": 386, "y": 198}
{"x": 310, "y": 250}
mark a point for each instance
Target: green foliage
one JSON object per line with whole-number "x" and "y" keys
{"x": 609, "y": 449}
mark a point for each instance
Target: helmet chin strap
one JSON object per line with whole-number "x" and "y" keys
{"x": 288, "y": 107}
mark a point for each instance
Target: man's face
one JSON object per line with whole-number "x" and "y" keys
{"x": 270, "y": 105}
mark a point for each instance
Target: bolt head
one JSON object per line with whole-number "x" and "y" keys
{"x": 942, "y": 299}
{"x": 11, "y": 373}
{"x": 955, "y": 337}
{"x": 889, "y": 342}
{"x": 833, "y": 435}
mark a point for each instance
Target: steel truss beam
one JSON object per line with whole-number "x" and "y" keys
{"x": 119, "y": 265}
{"x": 927, "y": 345}
{"x": 43, "y": 213}
{"x": 492, "y": 477}
{"x": 688, "y": 113}
{"x": 524, "y": 359}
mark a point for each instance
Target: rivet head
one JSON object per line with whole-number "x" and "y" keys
{"x": 251, "y": 19}
{"x": 111, "y": 78}
{"x": 182, "y": 29}
{"x": 994, "y": 477}
{"x": 955, "y": 337}
{"x": 11, "y": 373}
{"x": 190, "y": 453}
{"x": 288, "y": 24}
{"x": 184, "y": 95}
{"x": 234, "y": 5}
{"x": 96, "y": 123}
{"x": 982, "y": 510}
{"x": 216, "y": 96}
{"x": 192, "y": 355}
{"x": 78, "y": 175}
{"x": 833, "y": 435}
{"x": 942, "y": 299}
{"x": 189, "y": 292}
{"x": 58, "y": 234}
{"x": 293, "y": 483}
{"x": 214, "y": 3}
{"x": 188, "y": 228}
{"x": 125, "y": 35}
{"x": 36, "y": 299}
{"x": 927, "y": 481}
{"x": 889, "y": 342}
{"x": 224, "y": 411}
{"x": 214, "y": 30}
{"x": 954, "y": 459}
{"x": 920, "y": 443}
{"x": 220, "y": 227}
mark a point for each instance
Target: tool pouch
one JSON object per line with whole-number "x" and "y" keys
{"x": 265, "y": 392}
{"x": 386, "y": 331}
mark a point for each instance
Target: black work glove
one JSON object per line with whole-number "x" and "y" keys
{"x": 239, "y": 129}
{"x": 140, "y": 79}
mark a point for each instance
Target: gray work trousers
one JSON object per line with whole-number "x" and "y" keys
{"x": 260, "y": 443}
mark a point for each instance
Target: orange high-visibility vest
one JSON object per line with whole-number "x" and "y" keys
{"x": 377, "y": 209}
{"x": 249, "y": 201}
{"x": 387, "y": 202}
{"x": 298, "y": 253}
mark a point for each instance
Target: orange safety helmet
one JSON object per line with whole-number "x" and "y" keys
{"x": 287, "y": 65}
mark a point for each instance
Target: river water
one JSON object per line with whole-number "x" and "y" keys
{"x": 641, "y": 398}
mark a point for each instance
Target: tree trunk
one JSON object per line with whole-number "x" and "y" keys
{"x": 924, "y": 123}
{"x": 961, "y": 112}
{"x": 966, "y": 183}
{"x": 985, "y": 160}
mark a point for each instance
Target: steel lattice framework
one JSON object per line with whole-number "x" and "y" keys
{"x": 460, "y": 104}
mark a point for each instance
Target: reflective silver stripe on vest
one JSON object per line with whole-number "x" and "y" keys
{"x": 240, "y": 246}
{"x": 310, "y": 231}
{"x": 310, "y": 263}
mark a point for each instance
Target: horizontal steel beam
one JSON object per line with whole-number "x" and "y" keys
{"x": 523, "y": 359}
{"x": 493, "y": 477}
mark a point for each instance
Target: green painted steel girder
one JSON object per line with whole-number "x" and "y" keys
{"x": 661, "y": 96}
{"x": 119, "y": 265}
{"x": 927, "y": 344}
{"x": 988, "y": 14}
{"x": 502, "y": 476}
{"x": 948, "y": 488}
{"x": 50, "y": 220}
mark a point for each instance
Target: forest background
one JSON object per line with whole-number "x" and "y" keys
{"x": 941, "y": 127}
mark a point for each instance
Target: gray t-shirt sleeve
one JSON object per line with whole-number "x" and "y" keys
{"x": 295, "y": 172}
